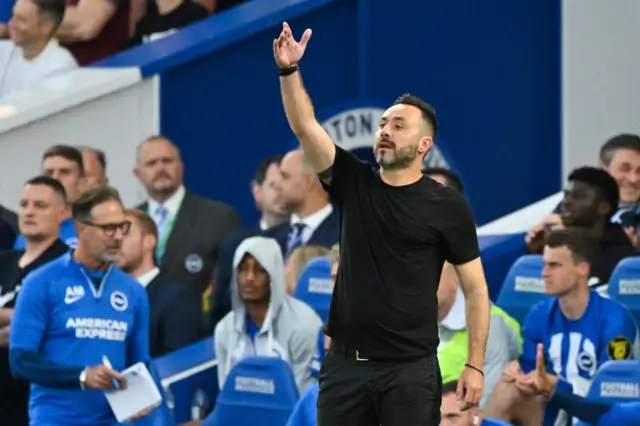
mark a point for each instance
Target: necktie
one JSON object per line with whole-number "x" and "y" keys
{"x": 161, "y": 217}
{"x": 295, "y": 237}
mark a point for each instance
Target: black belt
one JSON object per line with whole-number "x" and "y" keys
{"x": 349, "y": 352}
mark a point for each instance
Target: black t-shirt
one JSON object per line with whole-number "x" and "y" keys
{"x": 14, "y": 394}
{"x": 153, "y": 23}
{"x": 393, "y": 243}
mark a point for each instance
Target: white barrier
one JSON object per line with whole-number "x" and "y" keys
{"x": 110, "y": 109}
{"x": 522, "y": 220}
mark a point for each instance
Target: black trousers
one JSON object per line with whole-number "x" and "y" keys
{"x": 357, "y": 392}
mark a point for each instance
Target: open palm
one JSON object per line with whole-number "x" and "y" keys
{"x": 286, "y": 50}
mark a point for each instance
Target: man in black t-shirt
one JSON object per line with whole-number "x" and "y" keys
{"x": 42, "y": 206}
{"x": 397, "y": 229}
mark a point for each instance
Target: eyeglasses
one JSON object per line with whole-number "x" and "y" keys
{"x": 110, "y": 229}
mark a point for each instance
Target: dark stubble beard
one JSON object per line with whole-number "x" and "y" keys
{"x": 402, "y": 158}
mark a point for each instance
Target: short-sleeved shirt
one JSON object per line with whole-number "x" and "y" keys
{"x": 575, "y": 349}
{"x": 393, "y": 243}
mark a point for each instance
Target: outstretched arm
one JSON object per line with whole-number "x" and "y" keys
{"x": 316, "y": 142}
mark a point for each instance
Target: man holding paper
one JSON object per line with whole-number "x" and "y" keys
{"x": 77, "y": 314}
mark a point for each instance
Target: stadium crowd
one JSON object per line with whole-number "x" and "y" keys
{"x": 47, "y": 37}
{"x": 203, "y": 274}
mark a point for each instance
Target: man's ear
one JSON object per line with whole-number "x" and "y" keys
{"x": 256, "y": 191}
{"x": 424, "y": 145}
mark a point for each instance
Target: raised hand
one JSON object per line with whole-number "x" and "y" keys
{"x": 286, "y": 50}
{"x": 539, "y": 381}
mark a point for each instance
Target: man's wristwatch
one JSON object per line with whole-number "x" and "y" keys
{"x": 83, "y": 379}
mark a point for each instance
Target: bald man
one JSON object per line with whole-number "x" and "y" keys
{"x": 190, "y": 228}
{"x": 313, "y": 221}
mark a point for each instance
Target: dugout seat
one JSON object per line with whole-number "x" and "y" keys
{"x": 185, "y": 371}
{"x": 624, "y": 285}
{"x": 314, "y": 286}
{"x": 523, "y": 287}
{"x": 615, "y": 381}
{"x": 258, "y": 390}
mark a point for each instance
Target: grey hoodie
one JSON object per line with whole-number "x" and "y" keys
{"x": 290, "y": 330}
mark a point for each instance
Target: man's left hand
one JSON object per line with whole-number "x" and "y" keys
{"x": 470, "y": 388}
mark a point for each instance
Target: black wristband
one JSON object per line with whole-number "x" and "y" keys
{"x": 283, "y": 72}
{"x": 474, "y": 368}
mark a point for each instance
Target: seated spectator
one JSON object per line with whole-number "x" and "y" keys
{"x": 620, "y": 157}
{"x": 95, "y": 29}
{"x": 313, "y": 221}
{"x": 445, "y": 177}
{"x": 164, "y": 17}
{"x": 42, "y": 204}
{"x": 31, "y": 55}
{"x": 590, "y": 199}
{"x": 297, "y": 261}
{"x": 64, "y": 164}
{"x": 503, "y": 344}
{"x": 264, "y": 321}
{"x": 597, "y": 413}
{"x": 579, "y": 329}
{"x": 175, "y": 312}
{"x": 450, "y": 412}
{"x": 95, "y": 168}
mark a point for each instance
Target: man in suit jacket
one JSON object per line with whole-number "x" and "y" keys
{"x": 175, "y": 312}
{"x": 313, "y": 221}
{"x": 190, "y": 228}
{"x": 7, "y": 235}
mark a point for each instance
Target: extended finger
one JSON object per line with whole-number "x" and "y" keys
{"x": 305, "y": 38}
{"x": 460, "y": 391}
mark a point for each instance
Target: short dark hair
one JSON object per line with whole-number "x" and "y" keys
{"x": 621, "y": 141}
{"x": 428, "y": 113}
{"x": 67, "y": 152}
{"x": 581, "y": 244}
{"x": 144, "y": 221}
{"x": 605, "y": 185}
{"x": 82, "y": 208}
{"x": 453, "y": 180}
{"x": 54, "y": 9}
{"x": 263, "y": 167}
{"x": 49, "y": 182}
{"x": 449, "y": 387}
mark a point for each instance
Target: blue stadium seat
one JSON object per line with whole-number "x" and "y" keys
{"x": 317, "y": 362}
{"x": 615, "y": 381}
{"x": 258, "y": 390}
{"x": 314, "y": 286}
{"x": 185, "y": 371}
{"x": 624, "y": 285}
{"x": 523, "y": 287}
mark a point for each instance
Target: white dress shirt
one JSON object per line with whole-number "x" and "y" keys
{"x": 147, "y": 277}
{"x": 172, "y": 204}
{"x": 312, "y": 222}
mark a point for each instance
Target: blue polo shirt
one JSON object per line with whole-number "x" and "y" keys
{"x": 67, "y": 235}
{"x": 70, "y": 318}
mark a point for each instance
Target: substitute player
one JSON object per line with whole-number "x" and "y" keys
{"x": 76, "y": 314}
{"x": 397, "y": 229}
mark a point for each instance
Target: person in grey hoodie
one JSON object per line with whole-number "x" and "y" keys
{"x": 264, "y": 320}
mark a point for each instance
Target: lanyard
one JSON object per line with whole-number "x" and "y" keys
{"x": 97, "y": 294}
